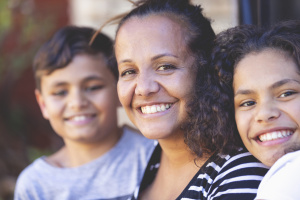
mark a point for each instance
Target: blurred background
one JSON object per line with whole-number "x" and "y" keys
{"x": 26, "y": 24}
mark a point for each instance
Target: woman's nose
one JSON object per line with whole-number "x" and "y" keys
{"x": 146, "y": 84}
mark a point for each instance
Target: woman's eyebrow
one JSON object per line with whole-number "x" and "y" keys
{"x": 163, "y": 55}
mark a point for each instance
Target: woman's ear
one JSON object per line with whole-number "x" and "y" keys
{"x": 41, "y": 102}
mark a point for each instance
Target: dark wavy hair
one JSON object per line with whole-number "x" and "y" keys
{"x": 65, "y": 44}
{"x": 207, "y": 129}
{"x": 232, "y": 45}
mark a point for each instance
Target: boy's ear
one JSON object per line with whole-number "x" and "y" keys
{"x": 41, "y": 102}
{"x": 119, "y": 103}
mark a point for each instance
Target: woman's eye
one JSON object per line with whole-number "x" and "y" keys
{"x": 165, "y": 67}
{"x": 247, "y": 104}
{"x": 287, "y": 93}
{"x": 127, "y": 72}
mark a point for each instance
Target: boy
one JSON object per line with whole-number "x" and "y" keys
{"x": 76, "y": 91}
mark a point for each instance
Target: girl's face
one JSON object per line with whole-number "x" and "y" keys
{"x": 267, "y": 104}
{"x": 156, "y": 76}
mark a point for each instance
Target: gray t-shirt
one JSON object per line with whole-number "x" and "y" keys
{"x": 111, "y": 176}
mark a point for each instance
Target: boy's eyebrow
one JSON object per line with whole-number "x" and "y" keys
{"x": 89, "y": 78}
{"x": 59, "y": 83}
{"x": 282, "y": 82}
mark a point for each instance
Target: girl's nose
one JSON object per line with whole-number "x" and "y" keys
{"x": 267, "y": 112}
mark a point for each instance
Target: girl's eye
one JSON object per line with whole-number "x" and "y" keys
{"x": 127, "y": 72}
{"x": 166, "y": 67}
{"x": 247, "y": 104}
{"x": 287, "y": 93}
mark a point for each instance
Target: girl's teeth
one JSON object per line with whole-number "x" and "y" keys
{"x": 155, "y": 108}
{"x": 279, "y": 134}
{"x": 274, "y": 135}
{"x": 284, "y": 133}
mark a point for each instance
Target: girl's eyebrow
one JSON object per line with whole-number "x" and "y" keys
{"x": 273, "y": 86}
{"x": 243, "y": 92}
{"x": 282, "y": 82}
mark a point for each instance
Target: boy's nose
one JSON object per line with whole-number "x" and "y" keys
{"x": 146, "y": 85}
{"x": 267, "y": 112}
{"x": 77, "y": 100}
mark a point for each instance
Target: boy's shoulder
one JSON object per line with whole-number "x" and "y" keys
{"x": 29, "y": 178}
{"x": 134, "y": 142}
{"x": 131, "y": 133}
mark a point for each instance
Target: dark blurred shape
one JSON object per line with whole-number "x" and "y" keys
{"x": 24, "y": 134}
{"x": 267, "y": 12}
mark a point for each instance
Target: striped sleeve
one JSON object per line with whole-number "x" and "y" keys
{"x": 238, "y": 178}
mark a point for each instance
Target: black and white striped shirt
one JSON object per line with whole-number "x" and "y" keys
{"x": 231, "y": 177}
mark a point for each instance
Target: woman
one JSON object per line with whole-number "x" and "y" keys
{"x": 162, "y": 49}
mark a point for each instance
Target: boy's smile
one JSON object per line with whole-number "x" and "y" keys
{"x": 80, "y": 100}
{"x": 267, "y": 104}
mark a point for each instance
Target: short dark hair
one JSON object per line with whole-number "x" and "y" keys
{"x": 206, "y": 129}
{"x": 65, "y": 44}
{"x": 232, "y": 45}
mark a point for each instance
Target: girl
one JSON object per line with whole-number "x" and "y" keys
{"x": 260, "y": 70}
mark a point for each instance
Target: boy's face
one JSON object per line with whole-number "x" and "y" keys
{"x": 80, "y": 100}
{"x": 267, "y": 104}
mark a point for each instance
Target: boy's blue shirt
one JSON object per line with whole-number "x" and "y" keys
{"x": 111, "y": 176}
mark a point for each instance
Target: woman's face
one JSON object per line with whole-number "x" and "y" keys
{"x": 267, "y": 104}
{"x": 156, "y": 76}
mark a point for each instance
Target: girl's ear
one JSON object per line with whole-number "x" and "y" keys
{"x": 41, "y": 102}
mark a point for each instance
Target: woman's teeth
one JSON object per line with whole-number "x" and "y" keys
{"x": 155, "y": 108}
{"x": 275, "y": 135}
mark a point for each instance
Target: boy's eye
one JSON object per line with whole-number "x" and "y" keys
{"x": 165, "y": 67}
{"x": 127, "y": 72}
{"x": 94, "y": 87}
{"x": 60, "y": 93}
{"x": 247, "y": 104}
{"x": 287, "y": 93}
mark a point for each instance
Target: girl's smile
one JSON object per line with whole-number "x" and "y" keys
{"x": 267, "y": 103}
